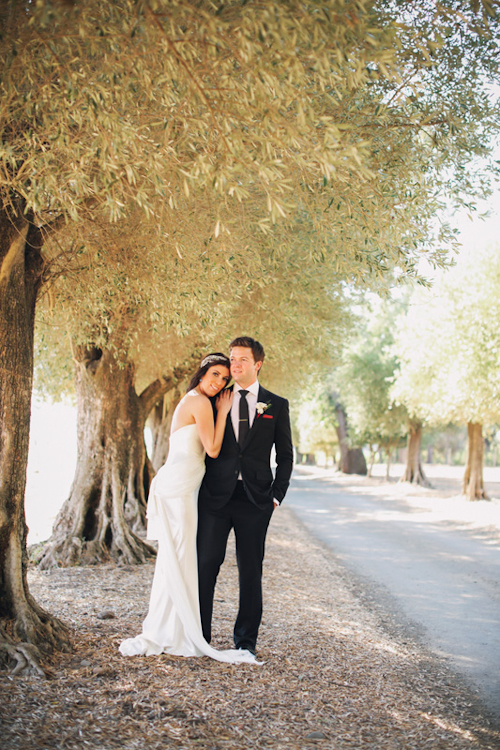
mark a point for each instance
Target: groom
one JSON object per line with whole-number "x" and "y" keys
{"x": 239, "y": 491}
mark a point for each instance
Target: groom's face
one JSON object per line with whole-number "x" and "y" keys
{"x": 244, "y": 368}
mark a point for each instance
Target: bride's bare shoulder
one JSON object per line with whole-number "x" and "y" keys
{"x": 193, "y": 398}
{"x": 189, "y": 406}
{"x": 197, "y": 401}
{"x": 188, "y": 398}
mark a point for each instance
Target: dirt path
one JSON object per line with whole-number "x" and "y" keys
{"x": 333, "y": 675}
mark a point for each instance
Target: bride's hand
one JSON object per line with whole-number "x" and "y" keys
{"x": 224, "y": 401}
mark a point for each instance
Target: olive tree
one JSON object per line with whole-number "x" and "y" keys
{"x": 365, "y": 376}
{"x": 449, "y": 352}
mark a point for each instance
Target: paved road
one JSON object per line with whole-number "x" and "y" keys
{"x": 442, "y": 579}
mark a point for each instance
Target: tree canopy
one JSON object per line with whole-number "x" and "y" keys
{"x": 303, "y": 144}
{"x": 449, "y": 345}
{"x": 348, "y": 121}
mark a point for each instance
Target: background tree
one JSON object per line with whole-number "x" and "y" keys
{"x": 160, "y": 422}
{"x": 446, "y": 445}
{"x": 322, "y": 427}
{"x": 314, "y": 424}
{"x": 449, "y": 351}
{"x": 352, "y": 459}
{"x": 414, "y": 470}
{"x": 365, "y": 376}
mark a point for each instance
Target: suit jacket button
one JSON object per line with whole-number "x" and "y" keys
{"x": 236, "y": 472}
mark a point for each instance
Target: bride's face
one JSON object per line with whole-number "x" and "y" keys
{"x": 214, "y": 380}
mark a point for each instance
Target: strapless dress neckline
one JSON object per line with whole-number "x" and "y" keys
{"x": 182, "y": 428}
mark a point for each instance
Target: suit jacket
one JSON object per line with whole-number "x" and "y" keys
{"x": 253, "y": 459}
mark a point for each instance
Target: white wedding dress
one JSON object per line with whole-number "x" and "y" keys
{"x": 173, "y": 624}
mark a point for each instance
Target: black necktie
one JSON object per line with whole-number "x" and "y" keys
{"x": 244, "y": 423}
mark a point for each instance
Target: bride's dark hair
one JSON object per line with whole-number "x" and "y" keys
{"x": 216, "y": 358}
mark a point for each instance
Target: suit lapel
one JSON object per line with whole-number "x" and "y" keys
{"x": 230, "y": 431}
{"x": 263, "y": 395}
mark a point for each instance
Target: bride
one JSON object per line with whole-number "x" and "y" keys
{"x": 173, "y": 625}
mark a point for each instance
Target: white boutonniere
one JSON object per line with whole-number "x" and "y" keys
{"x": 261, "y": 407}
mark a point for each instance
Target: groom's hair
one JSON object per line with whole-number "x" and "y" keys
{"x": 250, "y": 343}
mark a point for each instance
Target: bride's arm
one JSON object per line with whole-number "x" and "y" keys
{"x": 210, "y": 436}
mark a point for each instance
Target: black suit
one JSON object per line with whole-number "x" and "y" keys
{"x": 246, "y": 506}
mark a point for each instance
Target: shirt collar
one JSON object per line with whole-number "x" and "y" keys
{"x": 254, "y": 388}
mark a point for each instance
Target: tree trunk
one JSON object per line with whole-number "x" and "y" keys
{"x": 160, "y": 422}
{"x": 371, "y": 461}
{"x": 352, "y": 460}
{"x": 105, "y": 512}
{"x": 414, "y": 472}
{"x": 472, "y": 484}
{"x": 388, "y": 467}
{"x": 21, "y": 266}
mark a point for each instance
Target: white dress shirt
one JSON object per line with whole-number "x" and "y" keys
{"x": 252, "y": 396}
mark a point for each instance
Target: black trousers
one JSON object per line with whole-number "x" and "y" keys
{"x": 250, "y": 525}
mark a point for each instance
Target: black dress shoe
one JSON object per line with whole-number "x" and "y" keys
{"x": 242, "y": 647}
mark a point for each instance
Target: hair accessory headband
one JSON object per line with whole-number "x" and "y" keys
{"x": 213, "y": 358}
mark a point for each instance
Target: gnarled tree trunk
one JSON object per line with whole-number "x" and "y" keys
{"x": 21, "y": 266}
{"x": 414, "y": 472}
{"x": 160, "y": 422}
{"x": 352, "y": 460}
{"x": 472, "y": 483}
{"x": 105, "y": 512}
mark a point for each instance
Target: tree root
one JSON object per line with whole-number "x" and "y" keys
{"x": 472, "y": 492}
{"x": 63, "y": 555}
{"x": 31, "y": 624}
{"x": 31, "y": 632}
{"x": 126, "y": 549}
{"x": 25, "y": 657}
{"x": 416, "y": 477}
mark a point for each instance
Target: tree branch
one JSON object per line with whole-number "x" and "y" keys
{"x": 155, "y": 390}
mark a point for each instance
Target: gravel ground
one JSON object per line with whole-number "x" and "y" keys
{"x": 336, "y": 673}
